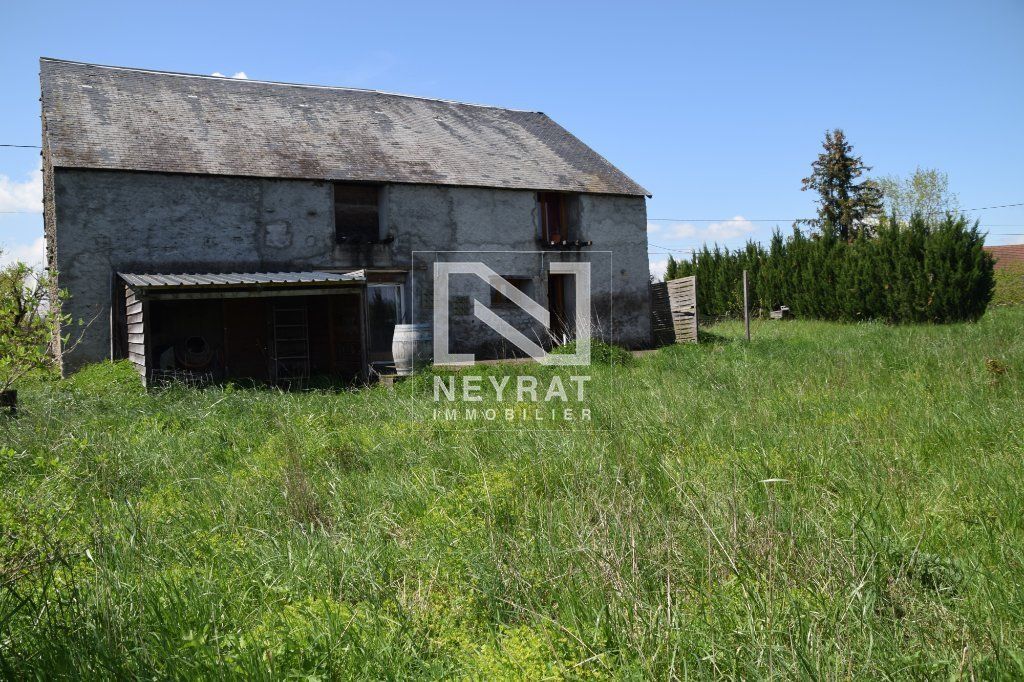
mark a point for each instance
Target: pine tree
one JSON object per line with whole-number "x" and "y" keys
{"x": 843, "y": 203}
{"x": 672, "y": 269}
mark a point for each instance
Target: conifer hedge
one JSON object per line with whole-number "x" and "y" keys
{"x": 918, "y": 271}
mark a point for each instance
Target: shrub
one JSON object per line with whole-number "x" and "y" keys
{"x": 920, "y": 271}
{"x": 27, "y": 326}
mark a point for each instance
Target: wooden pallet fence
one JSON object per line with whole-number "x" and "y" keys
{"x": 674, "y": 311}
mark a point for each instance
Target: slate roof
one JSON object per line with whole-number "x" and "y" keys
{"x": 131, "y": 119}
{"x": 191, "y": 280}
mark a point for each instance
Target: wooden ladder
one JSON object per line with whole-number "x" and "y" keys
{"x": 291, "y": 343}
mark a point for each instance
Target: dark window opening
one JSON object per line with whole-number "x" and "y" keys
{"x": 500, "y": 300}
{"x": 554, "y": 209}
{"x": 356, "y": 213}
{"x": 561, "y": 299}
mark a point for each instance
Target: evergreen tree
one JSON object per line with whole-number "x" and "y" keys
{"x": 771, "y": 284}
{"x": 844, "y": 204}
{"x": 927, "y": 270}
{"x": 672, "y": 269}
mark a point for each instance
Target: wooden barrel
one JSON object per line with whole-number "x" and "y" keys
{"x": 412, "y": 347}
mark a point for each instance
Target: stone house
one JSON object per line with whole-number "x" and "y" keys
{"x": 255, "y": 229}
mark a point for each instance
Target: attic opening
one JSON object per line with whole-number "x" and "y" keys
{"x": 356, "y": 213}
{"x": 559, "y": 216}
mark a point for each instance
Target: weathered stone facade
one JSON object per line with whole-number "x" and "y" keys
{"x": 100, "y": 222}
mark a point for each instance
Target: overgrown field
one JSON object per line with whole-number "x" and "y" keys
{"x": 1009, "y": 289}
{"x": 828, "y": 501}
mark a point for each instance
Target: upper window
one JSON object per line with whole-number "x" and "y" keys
{"x": 554, "y": 209}
{"x": 356, "y": 213}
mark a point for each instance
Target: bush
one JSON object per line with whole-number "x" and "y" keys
{"x": 921, "y": 271}
{"x": 27, "y": 326}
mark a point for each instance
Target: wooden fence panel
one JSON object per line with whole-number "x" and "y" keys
{"x": 674, "y": 311}
{"x": 135, "y": 311}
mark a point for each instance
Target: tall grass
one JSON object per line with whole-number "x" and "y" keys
{"x": 827, "y": 501}
{"x": 1009, "y": 285}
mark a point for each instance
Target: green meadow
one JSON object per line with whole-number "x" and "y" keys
{"x": 827, "y": 501}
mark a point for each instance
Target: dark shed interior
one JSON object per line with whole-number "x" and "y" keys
{"x": 264, "y": 339}
{"x": 283, "y": 336}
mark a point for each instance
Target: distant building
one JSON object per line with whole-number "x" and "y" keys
{"x": 256, "y": 229}
{"x": 1008, "y": 256}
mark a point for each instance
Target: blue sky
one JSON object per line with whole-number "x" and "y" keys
{"x": 718, "y": 108}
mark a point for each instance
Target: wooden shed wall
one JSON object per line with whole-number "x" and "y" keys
{"x": 134, "y": 309}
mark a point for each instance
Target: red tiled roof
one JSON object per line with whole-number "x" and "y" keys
{"x": 1007, "y": 255}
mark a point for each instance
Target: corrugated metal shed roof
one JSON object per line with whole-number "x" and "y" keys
{"x": 233, "y": 279}
{"x": 131, "y": 119}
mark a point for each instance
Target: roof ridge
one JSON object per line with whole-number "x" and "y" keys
{"x": 182, "y": 74}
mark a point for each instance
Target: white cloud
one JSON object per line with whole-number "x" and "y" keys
{"x": 32, "y": 254}
{"x": 680, "y": 238}
{"x": 730, "y": 229}
{"x": 658, "y": 266}
{"x": 681, "y": 231}
{"x": 22, "y": 196}
{"x": 666, "y": 231}
{"x": 240, "y": 75}
{"x": 693, "y": 235}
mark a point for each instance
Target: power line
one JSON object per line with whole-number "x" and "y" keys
{"x": 22, "y": 146}
{"x": 671, "y": 248}
{"x": 667, "y": 248}
{"x": 985, "y": 208}
{"x": 786, "y": 220}
{"x": 724, "y": 220}
{"x": 980, "y": 227}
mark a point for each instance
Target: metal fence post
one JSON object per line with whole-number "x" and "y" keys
{"x": 746, "y": 306}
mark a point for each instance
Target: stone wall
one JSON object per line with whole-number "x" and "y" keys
{"x": 109, "y": 221}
